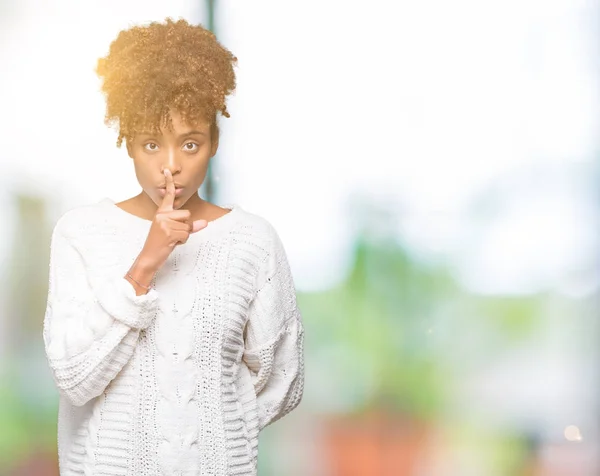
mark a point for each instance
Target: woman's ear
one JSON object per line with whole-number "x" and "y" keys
{"x": 214, "y": 141}
{"x": 129, "y": 151}
{"x": 214, "y": 146}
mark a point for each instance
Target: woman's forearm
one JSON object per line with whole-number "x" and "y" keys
{"x": 92, "y": 321}
{"x": 140, "y": 275}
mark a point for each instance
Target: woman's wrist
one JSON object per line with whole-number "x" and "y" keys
{"x": 140, "y": 276}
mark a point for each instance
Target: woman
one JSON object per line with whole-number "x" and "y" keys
{"x": 171, "y": 326}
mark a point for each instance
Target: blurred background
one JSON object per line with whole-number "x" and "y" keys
{"x": 432, "y": 168}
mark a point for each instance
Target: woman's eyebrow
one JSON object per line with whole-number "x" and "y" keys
{"x": 181, "y": 136}
{"x": 191, "y": 133}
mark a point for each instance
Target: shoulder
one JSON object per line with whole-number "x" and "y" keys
{"x": 261, "y": 234}
{"x": 259, "y": 230}
{"x": 82, "y": 220}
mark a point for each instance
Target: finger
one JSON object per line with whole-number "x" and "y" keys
{"x": 169, "y": 198}
{"x": 180, "y": 237}
{"x": 197, "y": 225}
{"x": 181, "y": 225}
{"x": 189, "y": 226}
{"x": 179, "y": 215}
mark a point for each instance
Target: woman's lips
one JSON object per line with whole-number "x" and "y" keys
{"x": 163, "y": 191}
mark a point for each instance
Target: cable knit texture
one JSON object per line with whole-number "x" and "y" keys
{"x": 181, "y": 380}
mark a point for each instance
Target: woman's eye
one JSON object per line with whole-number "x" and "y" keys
{"x": 151, "y": 146}
{"x": 190, "y": 146}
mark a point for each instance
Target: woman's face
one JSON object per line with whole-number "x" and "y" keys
{"x": 185, "y": 150}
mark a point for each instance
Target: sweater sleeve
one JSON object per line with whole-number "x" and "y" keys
{"x": 274, "y": 339}
{"x": 90, "y": 325}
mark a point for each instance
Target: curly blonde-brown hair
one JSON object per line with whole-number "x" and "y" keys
{"x": 151, "y": 69}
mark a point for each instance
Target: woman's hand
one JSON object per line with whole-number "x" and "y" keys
{"x": 169, "y": 228}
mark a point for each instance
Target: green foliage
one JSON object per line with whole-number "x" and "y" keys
{"x": 516, "y": 317}
{"x": 14, "y": 436}
{"x": 25, "y": 425}
{"x": 391, "y": 325}
{"x": 380, "y": 314}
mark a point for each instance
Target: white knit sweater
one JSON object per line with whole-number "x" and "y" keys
{"x": 178, "y": 381}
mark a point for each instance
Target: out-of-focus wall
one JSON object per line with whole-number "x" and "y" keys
{"x": 432, "y": 169}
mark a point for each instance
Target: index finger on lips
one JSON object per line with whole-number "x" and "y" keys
{"x": 169, "y": 198}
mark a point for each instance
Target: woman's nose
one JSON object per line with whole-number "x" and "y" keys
{"x": 172, "y": 161}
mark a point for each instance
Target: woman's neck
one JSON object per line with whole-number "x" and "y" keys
{"x": 143, "y": 206}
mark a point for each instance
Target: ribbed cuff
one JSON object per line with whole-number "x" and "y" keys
{"x": 118, "y": 298}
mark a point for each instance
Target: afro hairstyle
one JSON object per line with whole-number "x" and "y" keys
{"x": 153, "y": 68}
